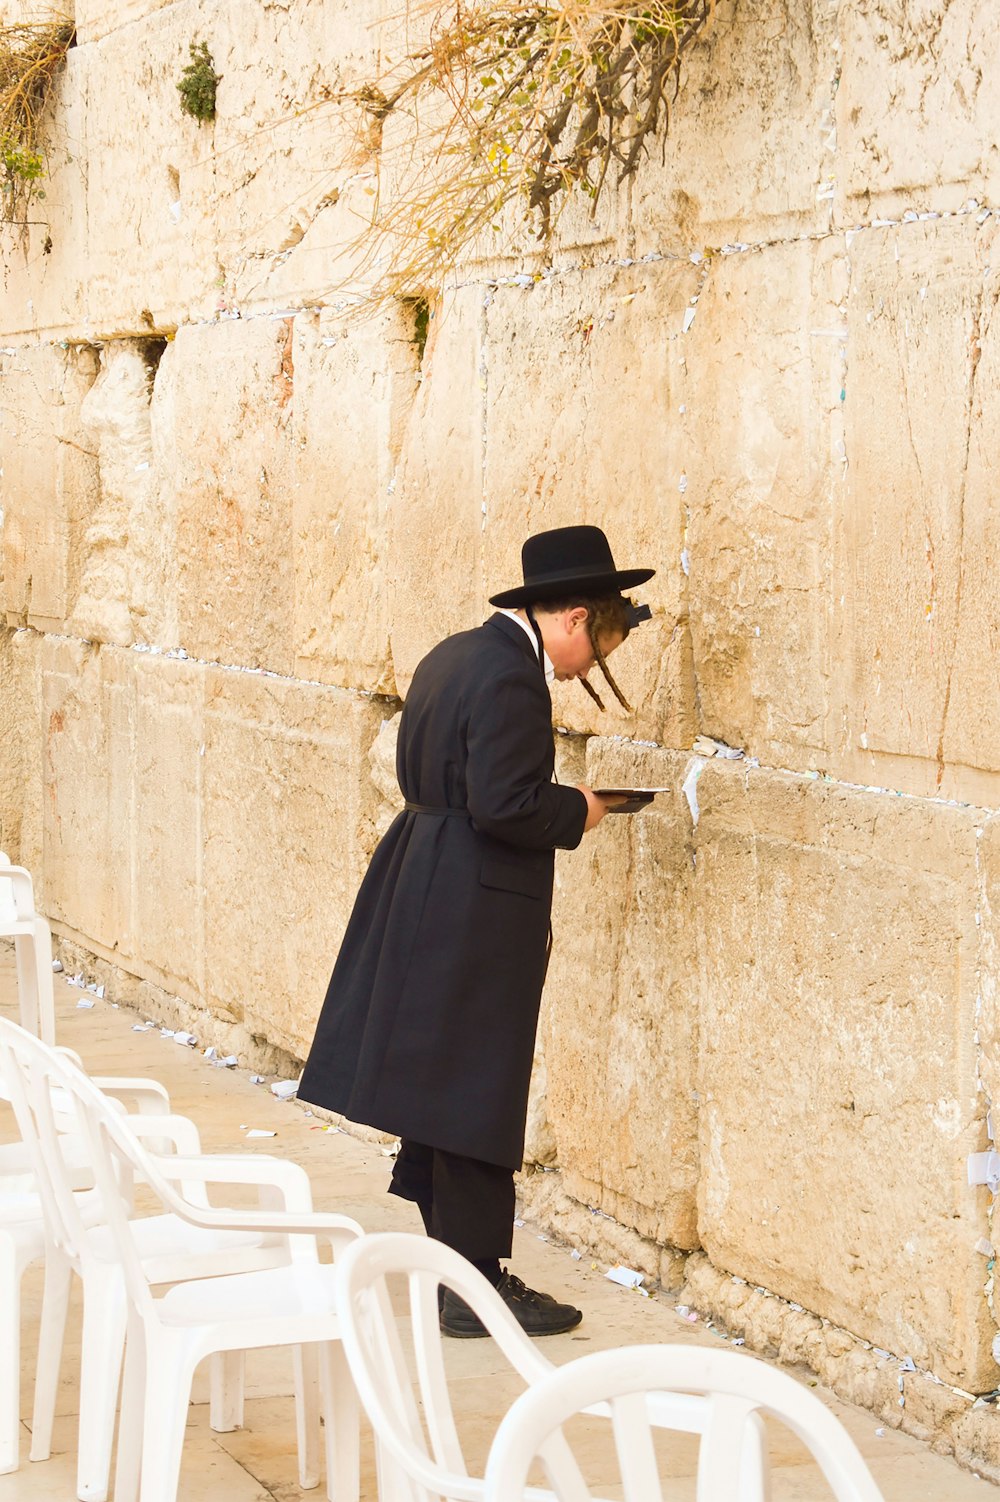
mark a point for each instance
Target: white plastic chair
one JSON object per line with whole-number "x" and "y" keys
{"x": 22, "y": 1242}
{"x": 737, "y": 1387}
{"x": 32, "y": 950}
{"x": 168, "y": 1336}
{"x": 421, "y": 1459}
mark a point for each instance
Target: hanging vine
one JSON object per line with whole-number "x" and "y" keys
{"x": 30, "y": 55}
{"x": 514, "y": 104}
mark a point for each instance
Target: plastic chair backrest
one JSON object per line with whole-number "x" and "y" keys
{"x": 738, "y": 1387}
{"x": 17, "y": 897}
{"x": 37, "y": 1075}
{"x": 427, "y": 1450}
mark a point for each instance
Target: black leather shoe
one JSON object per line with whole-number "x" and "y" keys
{"x": 536, "y": 1313}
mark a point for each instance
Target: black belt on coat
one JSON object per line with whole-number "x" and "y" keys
{"x": 442, "y": 813}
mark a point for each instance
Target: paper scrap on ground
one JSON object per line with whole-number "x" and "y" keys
{"x": 259, "y": 1132}
{"x": 229, "y": 1062}
{"x": 690, "y": 784}
{"x": 285, "y": 1089}
{"x": 626, "y": 1276}
{"x": 84, "y": 1004}
{"x": 256, "y": 1079}
{"x": 188, "y": 1039}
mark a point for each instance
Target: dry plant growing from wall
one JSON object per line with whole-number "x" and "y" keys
{"x": 514, "y": 104}
{"x": 30, "y": 54}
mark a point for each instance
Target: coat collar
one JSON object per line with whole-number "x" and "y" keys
{"x": 516, "y": 634}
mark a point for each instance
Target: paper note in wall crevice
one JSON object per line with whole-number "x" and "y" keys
{"x": 689, "y": 787}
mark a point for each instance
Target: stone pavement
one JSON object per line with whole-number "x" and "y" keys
{"x": 258, "y": 1462}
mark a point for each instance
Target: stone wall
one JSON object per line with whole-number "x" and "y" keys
{"x": 234, "y": 519}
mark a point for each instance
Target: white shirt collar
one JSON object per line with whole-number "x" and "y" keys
{"x": 550, "y": 672}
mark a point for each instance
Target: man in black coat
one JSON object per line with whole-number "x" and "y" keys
{"x": 428, "y": 1027}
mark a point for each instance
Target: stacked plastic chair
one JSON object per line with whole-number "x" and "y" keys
{"x": 169, "y": 1333}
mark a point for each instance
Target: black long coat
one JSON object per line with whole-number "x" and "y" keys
{"x": 428, "y": 1027}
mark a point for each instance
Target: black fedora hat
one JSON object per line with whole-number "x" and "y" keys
{"x": 568, "y": 561}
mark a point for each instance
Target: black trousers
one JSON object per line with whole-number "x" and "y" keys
{"x": 467, "y": 1204}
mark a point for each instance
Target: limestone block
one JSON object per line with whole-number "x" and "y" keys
{"x": 168, "y": 940}
{"x": 291, "y": 195}
{"x": 355, "y": 383}
{"x": 989, "y": 969}
{"x": 435, "y": 557}
{"x": 621, "y": 1006}
{"x": 151, "y": 176}
{"x": 49, "y": 478}
{"x": 584, "y": 383}
{"x": 839, "y": 953}
{"x": 21, "y": 762}
{"x": 920, "y": 534}
{"x": 906, "y": 69}
{"x": 758, "y": 450}
{"x": 287, "y": 829}
{"x": 382, "y": 762}
{"x": 87, "y": 698}
{"x": 228, "y": 391}
{"x": 120, "y": 539}
{"x": 45, "y": 275}
{"x": 742, "y": 160}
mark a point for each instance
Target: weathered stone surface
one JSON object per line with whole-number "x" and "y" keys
{"x": 620, "y": 1019}
{"x": 298, "y": 173}
{"x": 121, "y": 540}
{"x": 168, "y": 896}
{"x": 758, "y": 448}
{"x": 355, "y": 384}
{"x": 50, "y": 479}
{"x": 87, "y": 761}
{"x": 20, "y": 763}
{"x": 988, "y": 916}
{"x": 435, "y": 558}
{"x": 287, "y": 829}
{"x": 229, "y": 394}
{"x": 905, "y": 70}
{"x": 839, "y": 954}
{"x": 746, "y": 163}
{"x": 45, "y": 268}
{"x": 96, "y": 18}
{"x": 920, "y": 608}
{"x": 382, "y": 763}
{"x": 583, "y": 385}
{"x": 151, "y": 202}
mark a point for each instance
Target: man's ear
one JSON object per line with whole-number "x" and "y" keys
{"x": 577, "y": 617}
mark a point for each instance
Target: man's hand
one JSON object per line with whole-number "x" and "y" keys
{"x": 596, "y": 807}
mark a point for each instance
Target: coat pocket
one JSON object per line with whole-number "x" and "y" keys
{"x": 511, "y": 876}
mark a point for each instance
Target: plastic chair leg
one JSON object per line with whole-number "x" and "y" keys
{"x": 342, "y": 1431}
{"x": 128, "y": 1459}
{"x": 25, "y": 955}
{"x": 104, "y": 1320}
{"x": 165, "y": 1410}
{"x": 52, "y": 1329}
{"x": 227, "y": 1372}
{"x": 10, "y": 1354}
{"x": 306, "y": 1379}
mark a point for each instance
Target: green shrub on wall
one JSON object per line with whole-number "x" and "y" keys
{"x": 198, "y": 83}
